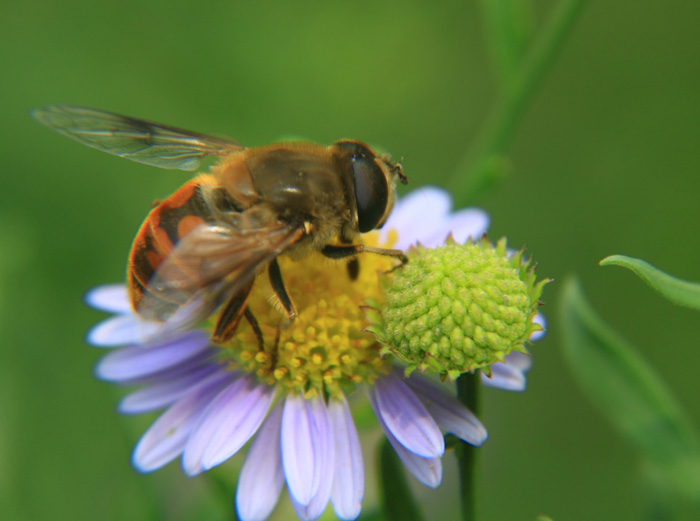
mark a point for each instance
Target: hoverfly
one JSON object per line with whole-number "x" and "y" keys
{"x": 201, "y": 249}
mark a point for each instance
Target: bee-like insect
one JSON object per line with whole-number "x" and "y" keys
{"x": 201, "y": 248}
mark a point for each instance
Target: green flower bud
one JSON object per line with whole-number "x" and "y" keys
{"x": 458, "y": 308}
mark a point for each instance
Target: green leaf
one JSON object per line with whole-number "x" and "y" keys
{"x": 630, "y": 394}
{"x": 488, "y": 173}
{"x": 678, "y": 291}
{"x": 509, "y": 28}
{"x": 478, "y": 169}
{"x": 397, "y": 501}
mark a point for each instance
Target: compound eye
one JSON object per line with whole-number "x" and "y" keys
{"x": 371, "y": 192}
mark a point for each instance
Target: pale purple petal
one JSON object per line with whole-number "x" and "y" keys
{"x": 426, "y": 470}
{"x": 539, "y": 319}
{"x": 262, "y": 476}
{"x": 138, "y": 361}
{"x": 509, "y": 375}
{"x": 506, "y": 377}
{"x": 323, "y": 439}
{"x": 519, "y": 361}
{"x": 227, "y": 424}
{"x": 185, "y": 367}
{"x": 185, "y": 318}
{"x": 407, "y": 418}
{"x": 244, "y": 416}
{"x": 417, "y": 215}
{"x": 118, "y": 331}
{"x": 111, "y": 298}
{"x": 349, "y": 478}
{"x": 166, "y": 438}
{"x": 448, "y": 412}
{"x": 470, "y": 222}
{"x": 161, "y": 394}
{"x": 302, "y": 458}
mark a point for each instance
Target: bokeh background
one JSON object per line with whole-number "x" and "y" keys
{"x": 605, "y": 161}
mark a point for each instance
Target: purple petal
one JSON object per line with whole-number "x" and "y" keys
{"x": 470, "y": 222}
{"x": 137, "y": 361}
{"x": 187, "y": 366}
{"x": 323, "y": 439}
{"x": 111, "y": 298}
{"x": 426, "y": 470}
{"x": 539, "y": 319}
{"x": 227, "y": 424}
{"x": 298, "y": 456}
{"x": 185, "y": 318}
{"x": 303, "y": 424}
{"x": 262, "y": 477}
{"x": 166, "y": 438}
{"x": 506, "y": 377}
{"x": 417, "y": 214}
{"x": 407, "y": 418}
{"x": 118, "y": 331}
{"x": 243, "y": 416}
{"x": 448, "y": 412}
{"x": 162, "y": 394}
{"x": 519, "y": 361}
{"x": 349, "y": 478}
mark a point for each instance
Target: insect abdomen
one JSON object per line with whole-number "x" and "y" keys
{"x": 160, "y": 232}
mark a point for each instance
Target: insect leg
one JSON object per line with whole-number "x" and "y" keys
{"x": 273, "y": 352}
{"x": 231, "y": 315}
{"x": 255, "y": 327}
{"x": 341, "y": 251}
{"x": 353, "y": 266}
{"x": 277, "y": 284}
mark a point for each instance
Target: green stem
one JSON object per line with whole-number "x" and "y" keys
{"x": 397, "y": 502}
{"x": 482, "y": 164}
{"x": 468, "y": 393}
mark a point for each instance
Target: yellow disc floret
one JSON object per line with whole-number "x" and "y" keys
{"x": 325, "y": 349}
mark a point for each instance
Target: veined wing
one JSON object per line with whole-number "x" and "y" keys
{"x": 208, "y": 266}
{"x": 142, "y": 141}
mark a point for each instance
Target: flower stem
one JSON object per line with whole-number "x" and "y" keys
{"x": 468, "y": 393}
{"x": 484, "y": 163}
{"x": 398, "y": 504}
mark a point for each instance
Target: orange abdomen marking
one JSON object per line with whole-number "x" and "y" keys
{"x": 160, "y": 232}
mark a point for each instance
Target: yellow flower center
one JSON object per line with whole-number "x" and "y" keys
{"x": 325, "y": 349}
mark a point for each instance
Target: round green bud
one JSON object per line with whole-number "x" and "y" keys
{"x": 458, "y": 307}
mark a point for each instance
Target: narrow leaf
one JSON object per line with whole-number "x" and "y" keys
{"x": 676, "y": 290}
{"x": 509, "y": 28}
{"x": 494, "y": 138}
{"x": 629, "y": 393}
{"x": 398, "y": 503}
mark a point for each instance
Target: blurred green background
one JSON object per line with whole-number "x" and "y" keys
{"x": 605, "y": 161}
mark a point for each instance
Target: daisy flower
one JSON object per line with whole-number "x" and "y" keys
{"x": 291, "y": 401}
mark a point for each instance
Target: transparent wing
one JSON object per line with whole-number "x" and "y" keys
{"x": 135, "y": 139}
{"x": 208, "y": 266}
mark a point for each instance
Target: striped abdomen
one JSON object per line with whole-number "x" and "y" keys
{"x": 165, "y": 225}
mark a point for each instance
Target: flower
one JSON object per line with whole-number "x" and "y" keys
{"x": 291, "y": 399}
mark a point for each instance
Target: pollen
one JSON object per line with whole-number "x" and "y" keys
{"x": 325, "y": 349}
